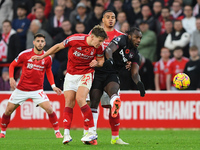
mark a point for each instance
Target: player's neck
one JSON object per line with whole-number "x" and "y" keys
{"x": 37, "y": 52}
{"x": 107, "y": 29}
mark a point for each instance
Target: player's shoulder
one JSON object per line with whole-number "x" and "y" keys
{"x": 77, "y": 37}
{"x": 27, "y": 51}
{"x": 120, "y": 39}
{"x": 118, "y": 32}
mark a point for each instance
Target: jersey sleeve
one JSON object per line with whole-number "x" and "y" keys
{"x": 156, "y": 68}
{"x": 67, "y": 42}
{"x": 100, "y": 52}
{"x": 120, "y": 40}
{"x": 20, "y": 58}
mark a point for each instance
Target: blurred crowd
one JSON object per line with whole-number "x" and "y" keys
{"x": 170, "y": 42}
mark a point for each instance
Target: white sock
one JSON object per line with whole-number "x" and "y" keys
{"x": 56, "y": 131}
{"x": 85, "y": 131}
{"x": 4, "y": 132}
{"x": 92, "y": 130}
{"x": 95, "y": 117}
{"x": 114, "y": 137}
{"x": 113, "y": 98}
{"x": 67, "y": 131}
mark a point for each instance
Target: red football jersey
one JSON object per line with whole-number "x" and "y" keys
{"x": 160, "y": 68}
{"x": 32, "y": 76}
{"x": 80, "y": 54}
{"x": 174, "y": 66}
{"x": 111, "y": 35}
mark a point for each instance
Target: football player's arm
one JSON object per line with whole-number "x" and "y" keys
{"x": 156, "y": 81}
{"x": 136, "y": 78}
{"x": 98, "y": 62}
{"x": 52, "y": 50}
{"x": 168, "y": 81}
{"x": 51, "y": 81}
{"x": 11, "y": 74}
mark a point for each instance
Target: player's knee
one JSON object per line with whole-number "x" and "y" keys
{"x": 69, "y": 103}
{"x": 8, "y": 112}
{"x": 49, "y": 110}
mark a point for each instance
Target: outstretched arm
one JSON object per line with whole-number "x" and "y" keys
{"x": 110, "y": 49}
{"x": 136, "y": 78}
{"x": 52, "y": 50}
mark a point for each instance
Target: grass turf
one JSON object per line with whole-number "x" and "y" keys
{"x": 26, "y": 139}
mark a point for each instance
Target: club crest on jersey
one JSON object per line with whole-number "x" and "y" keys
{"x": 131, "y": 55}
{"x": 43, "y": 61}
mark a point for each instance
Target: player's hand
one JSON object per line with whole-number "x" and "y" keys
{"x": 93, "y": 63}
{"x": 141, "y": 88}
{"x": 128, "y": 65}
{"x": 12, "y": 83}
{"x": 57, "y": 90}
{"x": 108, "y": 64}
{"x": 35, "y": 57}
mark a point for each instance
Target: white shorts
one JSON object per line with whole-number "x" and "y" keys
{"x": 72, "y": 82}
{"x": 19, "y": 97}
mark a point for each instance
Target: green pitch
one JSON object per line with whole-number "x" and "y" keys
{"x": 26, "y": 139}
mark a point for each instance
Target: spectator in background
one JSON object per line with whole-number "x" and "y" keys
{"x": 80, "y": 28}
{"x": 4, "y": 80}
{"x": 134, "y": 13}
{"x": 192, "y": 69}
{"x": 9, "y": 43}
{"x": 66, "y": 31}
{"x": 21, "y": 24}
{"x": 157, "y": 7}
{"x": 148, "y": 17}
{"x": 196, "y": 35}
{"x": 189, "y": 21}
{"x": 96, "y": 16}
{"x": 6, "y": 11}
{"x": 146, "y": 73}
{"x": 55, "y": 21}
{"x": 39, "y": 14}
{"x": 35, "y": 27}
{"x": 121, "y": 18}
{"x": 165, "y": 15}
{"x": 161, "y": 38}
{"x": 160, "y": 70}
{"x": 174, "y": 66}
{"x": 125, "y": 27}
{"x": 147, "y": 47}
{"x": 117, "y": 6}
{"x": 196, "y": 9}
{"x": 79, "y": 15}
{"x": 69, "y": 8}
{"x": 178, "y": 38}
{"x": 177, "y": 11}
{"x": 46, "y": 6}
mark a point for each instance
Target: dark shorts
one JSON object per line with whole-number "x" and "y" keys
{"x": 101, "y": 80}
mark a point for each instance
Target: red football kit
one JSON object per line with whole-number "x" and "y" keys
{"x": 174, "y": 66}
{"x": 160, "y": 68}
{"x": 80, "y": 54}
{"x": 32, "y": 76}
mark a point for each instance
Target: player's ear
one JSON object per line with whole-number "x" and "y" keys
{"x": 129, "y": 36}
{"x": 103, "y": 20}
{"x": 33, "y": 42}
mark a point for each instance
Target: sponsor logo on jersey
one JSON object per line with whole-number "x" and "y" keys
{"x": 121, "y": 52}
{"x": 191, "y": 68}
{"x": 29, "y": 66}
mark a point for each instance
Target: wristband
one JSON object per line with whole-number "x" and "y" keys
{"x": 53, "y": 86}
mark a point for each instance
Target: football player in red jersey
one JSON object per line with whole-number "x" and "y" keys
{"x": 31, "y": 84}
{"x": 78, "y": 80}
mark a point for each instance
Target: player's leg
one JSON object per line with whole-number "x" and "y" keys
{"x": 52, "y": 117}
{"x": 6, "y": 118}
{"x": 85, "y": 131}
{"x": 68, "y": 114}
{"x": 112, "y": 88}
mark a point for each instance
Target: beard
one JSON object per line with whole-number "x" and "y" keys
{"x": 39, "y": 49}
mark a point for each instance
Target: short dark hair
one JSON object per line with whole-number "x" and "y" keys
{"x": 39, "y": 35}
{"x": 132, "y": 30}
{"x": 22, "y": 6}
{"x": 98, "y": 5}
{"x": 99, "y": 31}
{"x": 178, "y": 47}
{"x": 194, "y": 47}
{"x": 40, "y": 2}
{"x": 107, "y": 12}
{"x": 7, "y": 21}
